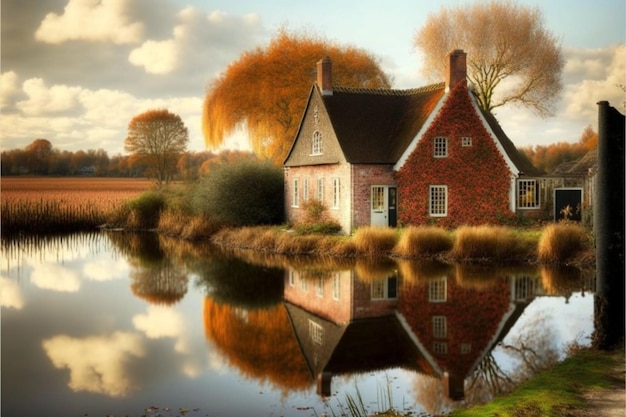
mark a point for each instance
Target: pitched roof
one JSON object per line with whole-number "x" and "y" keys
{"x": 377, "y": 125}
{"x": 520, "y": 160}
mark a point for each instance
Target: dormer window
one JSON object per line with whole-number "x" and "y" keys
{"x": 316, "y": 143}
{"x": 441, "y": 147}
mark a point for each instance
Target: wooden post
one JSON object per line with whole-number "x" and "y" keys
{"x": 608, "y": 219}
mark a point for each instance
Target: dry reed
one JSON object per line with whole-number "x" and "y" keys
{"x": 423, "y": 241}
{"x": 561, "y": 242}
{"x": 485, "y": 243}
{"x": 372, "y": 240}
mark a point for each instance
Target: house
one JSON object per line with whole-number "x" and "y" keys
{"x": 419, "y": 156}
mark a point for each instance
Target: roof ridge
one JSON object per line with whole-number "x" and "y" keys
{"x": 390, "y": 91}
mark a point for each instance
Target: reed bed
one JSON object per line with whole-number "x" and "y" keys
{"x": 54, "y": 205}
{"x": 423, "y": 241}
{"x": 485, "y": 242}
{"x": 561, "y": 242}
{"x": 375, "y": 240}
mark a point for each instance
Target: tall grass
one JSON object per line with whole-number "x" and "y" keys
{"x": 49, "y": 216}
{"x": 561, "y": 242}
{"x": 485, "y": 242}
{"x": 375, "y": 240}
{"x": 423, "y": 241}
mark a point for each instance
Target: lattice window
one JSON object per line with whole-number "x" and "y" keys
{"x": 441, "y": 147}
{"x": 440, "y": 327}
{"x": 316, "y": 143}
{"x": 438, "y": 290}
{"x": 438, "y": 200}
{"x": 528, "y": 196}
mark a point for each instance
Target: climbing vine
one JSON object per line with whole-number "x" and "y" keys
{"x": 477, "y": 176}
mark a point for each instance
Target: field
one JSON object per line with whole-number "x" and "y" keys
{"x": 45, "y": 205}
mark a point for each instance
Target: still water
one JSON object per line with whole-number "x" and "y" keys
{"x": 117, "y": 324}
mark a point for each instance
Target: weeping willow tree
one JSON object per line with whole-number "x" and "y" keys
{"x": 266, "y": 90}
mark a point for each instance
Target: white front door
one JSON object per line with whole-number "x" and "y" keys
{"x": 379, "y": 206}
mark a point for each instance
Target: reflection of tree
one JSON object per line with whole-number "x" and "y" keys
{"x": 236, "y": 282}
{"x": 429, "y": 392}
{"x": 533, "y": 351}
{"x": 259, "y": 342}
{"x": 163, "y": 283}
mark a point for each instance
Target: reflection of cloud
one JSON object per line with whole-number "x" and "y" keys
{"x": 55, "y": 277}
{"x": 105, "y": 269}
{"x": 162, "y": 321}
{"x": 96, "y": 364}
{"x": 10, "y": 294}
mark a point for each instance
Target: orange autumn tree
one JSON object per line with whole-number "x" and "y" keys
{"x": 266, "y": 90}
{"x": 158, "y": 138}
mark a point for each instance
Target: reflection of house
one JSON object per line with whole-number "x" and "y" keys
{"x": 344, "y": 324}
{"x": 458, "y": 325}
{"x": 416, "y": 156}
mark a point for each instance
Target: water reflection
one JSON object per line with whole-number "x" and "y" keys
{"x": 132, "y": 316}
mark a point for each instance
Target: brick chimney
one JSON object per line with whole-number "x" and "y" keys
{"x": 457, "y": 68}
{"x": 325, "y": 76}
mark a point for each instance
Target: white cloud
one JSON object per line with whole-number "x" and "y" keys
{"x": 44, "y": 100}
{"x": 160, "y": 322}
{"x": 9, "y": 88}
{"x": 91, "y": 20}
{"x": 11, "y": 294}
{"x": 157, "y": 57}
{"x": 55, "y": 277}
{"x": 96, "y": 364}
{"x": 105, "y": 269}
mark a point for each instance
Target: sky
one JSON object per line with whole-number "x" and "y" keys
{"x": 76, "y": 72}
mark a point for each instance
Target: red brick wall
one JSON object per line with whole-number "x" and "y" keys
{"x": 364, "y": 177}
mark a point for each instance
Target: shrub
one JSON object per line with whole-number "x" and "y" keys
{"x": 560, "y": 242}
{"x": 242, "y": 194}
{"x": 145, "y": 210}
{"x": 316, "y": 219}
{"x": 485, "y": 242}
{"x": 423, "y": 240}
{"x": 375, "y": 240}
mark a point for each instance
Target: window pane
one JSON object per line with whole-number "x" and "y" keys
{"x": 378, "y": 198}
{"x": 527, "y": 194}
{"x": 441, "y": 147}
{"x": 438, "y": 200}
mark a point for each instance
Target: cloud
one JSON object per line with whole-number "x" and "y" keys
{"x": 160, "y": 322}
{"x": 105, "y": 269}
{"x": 44, "y": 100}
{"x": 55, "y": 277}
{"x": 11, "y": 294}
{"x": 219, "y": 36}
{"x": 594, "y": 75}
{"x": 92, "y": 21}
{"x": 9, "y": 89}
{"x": 98, "y": 363}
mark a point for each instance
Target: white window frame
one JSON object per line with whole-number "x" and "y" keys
{"x": 336, "y": 193}
{"x": 440, "y": 327}
{"x": 316, "y": 143}
{"x": 305, "y": 189}
{"x": 440, "y": 348}
{"x": 466, "y": 141}
{"x": 380, "y": 289}
{"x": 295, "y": 202}
{"x": 438, "y": 290}
{"x": 320, "y": 190}
{"x": 438, "y": 208}
{"x": 440, "y": 147}
{"x": 336, "y": 286}
{"x": 316, "y": 332}
{"x": 319, "y": 289}
{"x": 525, "y": 186}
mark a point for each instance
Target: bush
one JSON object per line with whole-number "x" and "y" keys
{"x": 560, "y": 242}
{"x": 142, "y": 212}
{"x": 316, "y": 219}
{"x": 242, "y": 194}
{"x": 423, "y": 240}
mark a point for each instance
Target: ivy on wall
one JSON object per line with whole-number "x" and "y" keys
{"x": 477, "y": 176}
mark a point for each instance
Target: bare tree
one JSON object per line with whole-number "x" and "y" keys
{"x": 159, "y": 138}
{"x": 503, "y": 41}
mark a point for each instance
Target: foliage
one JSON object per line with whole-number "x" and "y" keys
{"x": 242, "y": 194}
{"x": 475, "y": 194}
{"x": 503, "y": 41}
{"x": 144, "y": 211}
{"x": 159, "y": 138}
{"x": 562, "y": 241}
{"x": 265, "y": 90}
{"x": 316, "y": 219}
{"x": 549, "y": 157}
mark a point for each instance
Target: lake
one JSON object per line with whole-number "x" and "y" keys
{"x": 121, "y": 324}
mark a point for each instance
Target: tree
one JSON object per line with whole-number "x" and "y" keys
{"x": 159, "y": 138}
{"x": 503, "y": 41}
{"x": 265, "y": 90}
{"x": 38, "y": 154}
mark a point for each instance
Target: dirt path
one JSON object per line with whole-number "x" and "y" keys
{"x": 606, "y": 402}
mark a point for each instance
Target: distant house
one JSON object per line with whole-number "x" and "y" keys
{"x": 420, "y": 156}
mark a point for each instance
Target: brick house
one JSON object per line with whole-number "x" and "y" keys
{"x": 417, "y": 156}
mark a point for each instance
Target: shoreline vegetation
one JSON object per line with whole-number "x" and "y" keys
{"x": 165, "y": 211}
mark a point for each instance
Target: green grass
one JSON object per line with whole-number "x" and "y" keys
{"x": 555, "y": 391}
